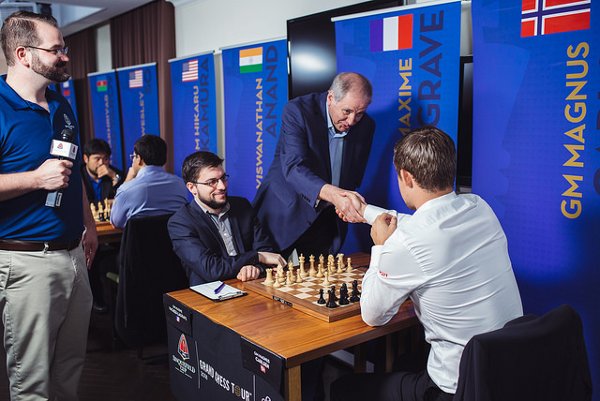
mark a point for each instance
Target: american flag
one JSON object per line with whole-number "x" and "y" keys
{"x": 189, "y": 71}
{"x": 136, "y": 79}
{"x": 543, "y": 17}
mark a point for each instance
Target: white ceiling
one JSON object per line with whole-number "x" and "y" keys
{"x": 104, "y": 10}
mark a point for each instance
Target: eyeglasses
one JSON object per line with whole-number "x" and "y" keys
{"x": 213, "y": 182}
{"x": 57, "y": 52}
{"x": 132, "y": 156}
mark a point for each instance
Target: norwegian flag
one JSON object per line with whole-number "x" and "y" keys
{"x": 543, "y": 17}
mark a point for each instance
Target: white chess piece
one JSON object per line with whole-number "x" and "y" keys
{"x": 269, "y": 279}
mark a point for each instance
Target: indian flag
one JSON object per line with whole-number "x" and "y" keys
{"x": 251, "y": 60}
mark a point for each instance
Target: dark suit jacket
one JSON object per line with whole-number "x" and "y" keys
{"x": 107, "y": 189}
{"x": 530, "y": 358}
{"x": 197, "y": 242}
{"x": 285, "y": 201}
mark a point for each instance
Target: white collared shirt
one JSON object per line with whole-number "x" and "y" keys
{"x": 451, "y": 258}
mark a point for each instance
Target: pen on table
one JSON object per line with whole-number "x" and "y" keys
{"x": 219, "y": 288}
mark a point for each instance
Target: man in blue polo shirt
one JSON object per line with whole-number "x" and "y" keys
{"x": 45, "y": 298}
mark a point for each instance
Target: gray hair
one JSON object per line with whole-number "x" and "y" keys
{"x": 345, "y": 82}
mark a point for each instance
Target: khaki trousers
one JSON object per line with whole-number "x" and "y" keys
{"x": 45, "y": 304}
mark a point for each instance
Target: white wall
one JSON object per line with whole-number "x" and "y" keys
{"x": 103, "y": 51}
{"x": 204, "y": 25}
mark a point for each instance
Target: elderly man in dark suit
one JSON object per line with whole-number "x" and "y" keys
{"x": 217, "y": 237}
{"x": 320, "y": 160}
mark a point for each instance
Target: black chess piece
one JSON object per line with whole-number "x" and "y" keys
{"x": 355, "y": 287}
{"x": 321, "y": 299}
{"x": 335, "y": 298}
{"x": 344, "y": 295}
{"x": 330, "y": 300}
{"x": 355, "y": 293}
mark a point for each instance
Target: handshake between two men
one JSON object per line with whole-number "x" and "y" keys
{"x": 350, "y": 207}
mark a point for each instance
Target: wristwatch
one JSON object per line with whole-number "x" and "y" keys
{"x": 116, "y": 179}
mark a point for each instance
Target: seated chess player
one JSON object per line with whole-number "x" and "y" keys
{"x": 148, "y": 189}
{"x": 100, "y": 178}
{"x": 450, "y": 258}
{"x": 217, "y": 237}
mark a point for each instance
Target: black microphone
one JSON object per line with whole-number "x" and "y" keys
{"x": 63, "y": 148}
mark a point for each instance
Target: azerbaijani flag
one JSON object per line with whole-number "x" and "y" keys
{"x": 102, "y": 85}
{"x": 251, "y": 60}
{"x": 392, "y": 33}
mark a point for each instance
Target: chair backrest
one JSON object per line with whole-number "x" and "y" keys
{"x": 148, "y": 268}
{"x": 530, "y": 358}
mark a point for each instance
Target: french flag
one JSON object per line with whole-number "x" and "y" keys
{"x": 392, "y": 33}
{"x": 543, "y": 17}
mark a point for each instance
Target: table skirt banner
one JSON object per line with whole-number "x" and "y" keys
{"x": 206, "y": 362}
{"x": 194, "y": 106}
{"x": 536, "y": 147}
{"x": 104, "y": 96}
{"x": 138, "y": 89}
{"x": 221, "y": 371}
{"x": 411, "y": 55}
{"x": 263, "y": 363}
{"x": 255, "y": 91}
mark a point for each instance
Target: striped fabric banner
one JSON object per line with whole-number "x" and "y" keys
{"x": 251, "y": 60}
{"x": 393, "y": 33}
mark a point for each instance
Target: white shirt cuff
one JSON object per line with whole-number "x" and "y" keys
{"x": 371, "y": 213}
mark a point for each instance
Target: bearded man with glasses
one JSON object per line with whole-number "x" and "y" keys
{"x": 218, "y": 237}
{"x": 45, "y": 245}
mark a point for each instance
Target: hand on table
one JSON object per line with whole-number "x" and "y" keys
{"x": 248, "y": 273}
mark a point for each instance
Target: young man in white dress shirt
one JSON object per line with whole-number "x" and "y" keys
{"x": 450, "y": 258}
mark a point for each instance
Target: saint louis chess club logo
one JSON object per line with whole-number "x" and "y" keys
{"x": 543, "y": 17}
{"x": 182, "y": 348}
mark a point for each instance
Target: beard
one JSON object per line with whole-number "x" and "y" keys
{"x": 213, "y": 203}
{"x": 55, "y": 73}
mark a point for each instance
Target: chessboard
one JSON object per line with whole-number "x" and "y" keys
{"x": 304, "y": 296}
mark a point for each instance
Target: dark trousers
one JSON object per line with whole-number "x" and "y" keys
{"x": 322, "y": 237}
{"x": 399, "y": 386}
{"x": 104, "y": 262}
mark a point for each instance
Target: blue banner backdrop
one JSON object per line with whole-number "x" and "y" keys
{"x": 194, "y": 106}
{"x": 67, "y": 89}
{"x": 536, "y": 148}
{"x": 138, "y": 89}
{"x": 255, "y": 91}
{"x": 411, "y": 55}
{"x": 104, "y": 96}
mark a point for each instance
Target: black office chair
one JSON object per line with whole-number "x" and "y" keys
{"x": 148, "y": 268}
{"x": 531, "y": 358}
